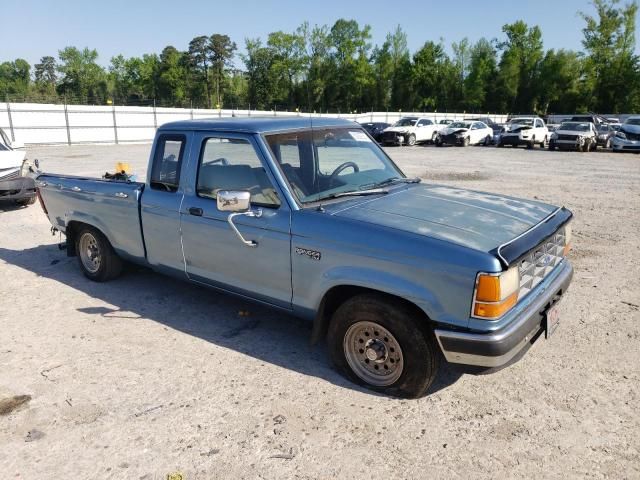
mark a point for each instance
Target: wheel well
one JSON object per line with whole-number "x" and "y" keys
{"x": 336, "y": 296}
{"x": 71, "y": 231}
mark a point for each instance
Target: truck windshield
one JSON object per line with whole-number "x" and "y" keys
{"x": 406, "y": 122}
{"x": 331, "y": 162}
{"x": 578, "y": 127}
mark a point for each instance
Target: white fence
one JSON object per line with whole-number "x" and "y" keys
{"x": 34, "y": 123}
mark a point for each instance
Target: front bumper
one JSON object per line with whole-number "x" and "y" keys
{"x": 496, "y": 348}
{"x": 513, "y": 139}
{"x": 452, "y": 139}
{"x": 394, "y": 138}
{"x": 21, "y": 188}
{"x": 621, "y": 145}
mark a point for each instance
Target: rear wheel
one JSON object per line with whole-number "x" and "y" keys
{"x": 98, "y": 260}
{"x": 544, "y": 142}
{"x": 379, "y": 343}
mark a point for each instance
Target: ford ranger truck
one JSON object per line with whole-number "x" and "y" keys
{"x": 317, "y": 221}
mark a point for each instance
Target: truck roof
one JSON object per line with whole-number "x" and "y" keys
{"x": 264, "y": 124}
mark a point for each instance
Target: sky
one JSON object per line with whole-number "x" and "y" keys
{"x": 31, "y": 29}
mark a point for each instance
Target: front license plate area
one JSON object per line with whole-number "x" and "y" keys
{"x": 551, "y": 321}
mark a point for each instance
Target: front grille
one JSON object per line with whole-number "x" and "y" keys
{"x": 571, "y": 138}
{"x": 632, "y": 136}
{"x": 540, "y": 261}
{"x": 391, "y": 136}
{"x": 10, "y": 176}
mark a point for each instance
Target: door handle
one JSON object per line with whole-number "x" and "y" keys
{"x": 196, "y": 211}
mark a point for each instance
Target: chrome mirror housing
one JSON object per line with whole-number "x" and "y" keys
{"x": 233, "y": 200}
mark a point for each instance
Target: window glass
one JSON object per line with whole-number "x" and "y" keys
{"x": 424, "y": 122}
{"x": 165, "y": 174}
{"x": 232, "y": 164}
{"x": 334, "y": 161}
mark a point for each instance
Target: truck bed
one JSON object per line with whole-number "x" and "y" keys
{"x": 109, "y": 205}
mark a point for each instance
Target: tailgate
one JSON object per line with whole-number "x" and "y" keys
{"x": 110, "y": 206}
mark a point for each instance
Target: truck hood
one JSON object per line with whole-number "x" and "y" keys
{"x": 627, "y": 127}
{"x": 11, "y": 159}
{"x": 481, "y": 221}
{"x": 449, "y": 130}
{"x": 407, "y": 129}
{"x": 572, "y": 132}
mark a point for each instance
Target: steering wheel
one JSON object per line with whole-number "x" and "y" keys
{"x": 342, "y": 167}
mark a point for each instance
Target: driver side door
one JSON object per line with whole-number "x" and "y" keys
{"x": 213, "y": 253}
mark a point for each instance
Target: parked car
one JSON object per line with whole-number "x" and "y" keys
{"x": 375, "y": 129}
{"x": 465, "y": 133}
{"x": 581, "y": 136}
{"x": 409, "y": 131}
{"x": 496, "y": 127}
{"x": 525, "y": 131}
{"x": 320, "y": 223}
{"x": 627, "y": 139}
{"x": 605, "y": 132}
{"x": 444, "y": 123}
{"x": 16, "y": 184}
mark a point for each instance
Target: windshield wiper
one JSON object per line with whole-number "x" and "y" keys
{"x": 354, "y": 193}
{"x": 392, "y": 180}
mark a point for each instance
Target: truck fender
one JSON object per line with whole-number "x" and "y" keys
{"x": 342, "y": 283}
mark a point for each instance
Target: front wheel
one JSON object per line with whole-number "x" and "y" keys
{"x": 531, "y": 143}
{"x": 544, "y": 142}
{"x": 411, "y": 141}
{"x": 552, "y": 145}
{"x": 487, "y": 141}
{"x": 98, "y": 261}
{"x": 465, "y": 142}
{"x": 380, "y": 344}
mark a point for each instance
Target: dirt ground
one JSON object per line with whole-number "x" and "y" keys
{"x": 145, "y": 376}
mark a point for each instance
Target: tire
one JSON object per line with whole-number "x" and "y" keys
{"x": 543, "y": 144}
{"x": 552, "y": 146}
{"x": 487, "y": 141}
{"x": 532, "y": 143}
{"x": 465, "y": 142}
{"x": 367, "y": 326}
{"x": 434, "y": 137}
{"x": 98, "y": 261}
{"x": 500, "y": 145}
{"x": 607, "y": 144}
{"x": 411, "y": 141}
{"x": 26, "y": 202}
{"x": 438, "y": 141}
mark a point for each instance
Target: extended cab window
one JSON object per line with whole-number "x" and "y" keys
{"x": 232, "y": 164}
{"x": 165, "y": 173}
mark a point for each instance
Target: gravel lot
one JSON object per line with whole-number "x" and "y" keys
{"x": 146, "y": 376}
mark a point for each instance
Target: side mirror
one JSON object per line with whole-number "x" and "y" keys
{"x": 238, "y": 202}
{"x": 233, "y": 200}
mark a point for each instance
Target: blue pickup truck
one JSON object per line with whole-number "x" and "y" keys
{"x": 315, "y": 219}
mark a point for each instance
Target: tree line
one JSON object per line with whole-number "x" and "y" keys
{"x": 337, "y": 68}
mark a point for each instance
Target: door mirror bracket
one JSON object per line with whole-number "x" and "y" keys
{"x": 238, "y": 202}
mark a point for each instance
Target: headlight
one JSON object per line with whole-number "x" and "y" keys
{"x": 495, "y": 293}
{"x": 554, "y": 136}
{"x": 621, "y": 135}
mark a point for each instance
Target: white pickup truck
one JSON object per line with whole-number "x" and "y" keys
{"x": 525, "y": 131}
{"x": 15, "y": 183}
{"x": 411, "y": 130}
